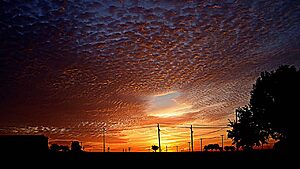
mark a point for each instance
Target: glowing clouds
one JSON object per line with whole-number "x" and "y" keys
{"x": 166, "y": 105}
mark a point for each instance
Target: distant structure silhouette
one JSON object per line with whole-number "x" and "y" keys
{"x": 24, "y": 143}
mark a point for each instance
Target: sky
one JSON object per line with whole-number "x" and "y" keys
{"x": 69, "y": 69}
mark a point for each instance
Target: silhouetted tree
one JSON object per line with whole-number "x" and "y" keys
{"x": 64, "y": 148}
{"x": 206, "y": 148}
{"x": 217, "y": 147}
{"x": 245, "y": 133}
{"x": 274, "y": 100}
{"x": 212, "y": 147}
{"x": 155, "y": 148}
{"x": 229, "y": 148}
{"x": 54, "y": 148}
{"x": 75, "y": 146}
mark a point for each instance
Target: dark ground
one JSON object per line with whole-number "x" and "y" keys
{"x": 257, "y": 159}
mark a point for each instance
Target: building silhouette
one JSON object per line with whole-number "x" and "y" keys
{"x": 24, "y": 143}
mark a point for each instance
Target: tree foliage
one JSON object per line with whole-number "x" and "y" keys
{"x": 58, "y": 148}
{"x": 155, "y": 148}
{"x": 54, "y": 148}
{"x": 270, "y": 114}
{"x": 245, "y": 133}
{"x": 212, "y": 147}
{"x": 75, "y": 146}
{"x": 229, "y": 148}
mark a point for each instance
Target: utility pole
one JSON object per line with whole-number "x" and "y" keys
{"x": 192, "y": 140}
{"x": 236, "y": 118}
{"x": 189, "y": 146}
{"x": 166, "y": 148}
{"x": 103, "y": 133}
{"x": 222, "y": 142}
{"x": 200, "y": 144}
{"x": 176, "y": 148}
{"x": 158, "y": 130}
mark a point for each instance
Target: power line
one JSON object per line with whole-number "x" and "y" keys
{"x": 200, "y": 126}
{"x": 168, "y": 131}
{"x": 210, "y": 137}
{"x": 211, "y": 132}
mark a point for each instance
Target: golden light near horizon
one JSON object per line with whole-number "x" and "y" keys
{"x": 173, "y": 137}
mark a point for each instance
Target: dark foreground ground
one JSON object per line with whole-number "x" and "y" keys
{"x": 239, "y": 159}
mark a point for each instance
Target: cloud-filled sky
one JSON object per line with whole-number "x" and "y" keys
{"x": 68, "y": 69}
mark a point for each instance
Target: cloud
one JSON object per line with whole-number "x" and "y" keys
{"x": 165, "y": 105}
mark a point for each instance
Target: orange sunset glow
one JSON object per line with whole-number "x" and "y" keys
{"x": 110, "y": 71}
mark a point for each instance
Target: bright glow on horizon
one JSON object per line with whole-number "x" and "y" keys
{"x": 166, "y": 105}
